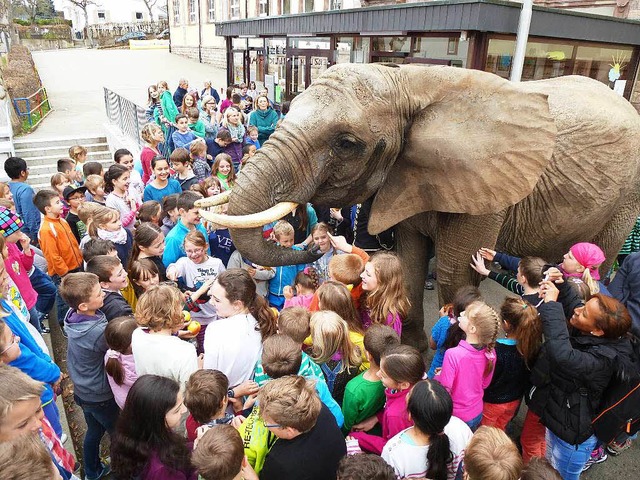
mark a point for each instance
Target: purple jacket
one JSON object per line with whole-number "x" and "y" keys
{"x": 156, "y": 470}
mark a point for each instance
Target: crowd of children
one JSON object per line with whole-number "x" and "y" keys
{"x": 199, "y": 363}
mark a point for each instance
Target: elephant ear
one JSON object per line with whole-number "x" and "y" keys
{"x": 477, "y": 146}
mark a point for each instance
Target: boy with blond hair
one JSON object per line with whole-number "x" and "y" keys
{"x": 219, "y": 455}
{"x": 492, "y": 454}
{"x": 285, "y": 275}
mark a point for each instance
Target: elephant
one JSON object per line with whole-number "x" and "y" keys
{"x": 457, "y": 159}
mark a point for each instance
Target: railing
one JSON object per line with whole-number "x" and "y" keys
{"x": 126, "y": 115}
{"x": 41, "y": 108}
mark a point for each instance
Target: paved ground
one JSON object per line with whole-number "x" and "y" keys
{"x": 75, "y": 78}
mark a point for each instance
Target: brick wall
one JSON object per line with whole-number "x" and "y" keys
{"x": 211, "y": 55}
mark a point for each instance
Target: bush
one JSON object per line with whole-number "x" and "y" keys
{"x": 24, "y": 23}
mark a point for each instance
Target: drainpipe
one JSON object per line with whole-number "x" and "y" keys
{"x": 521, "y": 40}
{"x": 199, "y": 33}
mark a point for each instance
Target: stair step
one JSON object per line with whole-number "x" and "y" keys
{"x": 57, "y": 142}
{"x": 53, "y": 159}
{"x": 60, "y": 152}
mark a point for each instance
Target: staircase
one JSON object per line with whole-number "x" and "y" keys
{"x": 42, "y": 155}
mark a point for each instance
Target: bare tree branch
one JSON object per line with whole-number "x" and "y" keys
{"x": 150, "y": 4}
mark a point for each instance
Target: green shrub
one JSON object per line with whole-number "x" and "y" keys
{"x": 19, "y": 21}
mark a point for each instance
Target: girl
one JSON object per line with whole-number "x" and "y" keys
{"x": 156, "y": 348}
{"x": 162, "y": 185}
{"x": 223, "y": 169}
{"x": 149, "y": 212}
{"x": 78, "y": 154}
{"x": 434, "y": 446}
{"x": 166, "y": 117}
{"x": 582, "y": 261}
{"x": 401, "y": 367}
{"x": 194, "y": 270}
{"x": 336, "y": 297}
{"x": 60, "y": 181}
{"x": 105, "y": 223}
{"x": 233, "y": 344}
{"x": 468, "y": 368}
{"x": 212, "y": 186}
{"x": 198, "y": 155}
{"x": 515, "y": 355}
{"x": 188, "y": 101}
{"x": 152, "y": 136}
{"x": 143, "y": 274}
{"x": 169, "y": 215}
{"x": 5, "y": 193}
{"x": 119, "y": 364}
{"x": 232, "y": 122}
{"x": 385, "y": 299}
{"x": 252, "y": 91}
{"x": 124, "y": 157}
{"x": 332, "y": 349}
{"x": 304, "y": 286}
{"x": 148, "y": 242}
{"x": 145, "y": 444}
{"x": 116, "y": 184}
{"x": 226, "y": 103}
{"x": 152, "y": 103}
{"x": 329, "y": 246}
{"x": 95, "y": 186}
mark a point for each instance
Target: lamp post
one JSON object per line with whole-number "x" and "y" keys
{"x": 521, "y": 40}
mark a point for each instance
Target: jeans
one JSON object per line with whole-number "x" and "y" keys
{"x": 100, "y": 417}
{"x": 474, "y": 423}
{"x": 53, "y": 415}
{"x": 61, "y": 305}
{"x": 34, "y": 318}
{"x": 42, "y": 283}
{"x": 569, "y": 459}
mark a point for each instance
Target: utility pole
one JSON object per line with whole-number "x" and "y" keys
{"x": 521, "y": 40}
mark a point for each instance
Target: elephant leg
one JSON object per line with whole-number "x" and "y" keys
{"x": 459, "y": 236}
{"x": 412, "y": 247}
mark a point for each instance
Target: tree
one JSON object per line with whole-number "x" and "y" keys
{"x": 150, "y": 4}
{"x": 32, "y": 7}
{"x": 82, "y": 5}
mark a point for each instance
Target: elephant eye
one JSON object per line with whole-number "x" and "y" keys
{"x": 346, "y": 144}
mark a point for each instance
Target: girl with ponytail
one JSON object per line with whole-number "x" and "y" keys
{"x": 583, "y": 261}
{"x": 515, "y": 355}
{"x": 468, "y": 368}
{"x": 433, "y": 448}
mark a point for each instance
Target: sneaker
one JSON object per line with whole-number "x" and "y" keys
{"x": 428, "y": 285}
{"x": 43, "y": 328}
{"x": 616, "y": 449}
{"x": 106, "y": 470}
{"x": 64, "y": 438}
{"x": 597, "y": 456}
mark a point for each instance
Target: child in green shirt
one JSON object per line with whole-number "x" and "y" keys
{"x": 195, "y": 124}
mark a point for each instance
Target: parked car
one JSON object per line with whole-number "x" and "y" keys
{"x": 163, "y": 35}
{"x": 131, "y": 36}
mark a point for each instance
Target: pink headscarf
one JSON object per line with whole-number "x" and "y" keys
{"x": 589, "y": 256}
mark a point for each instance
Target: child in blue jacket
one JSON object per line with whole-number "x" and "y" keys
{"x": 285, "y": 275}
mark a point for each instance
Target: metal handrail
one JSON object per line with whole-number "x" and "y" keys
{"x": 41, "y": 98}
{"x": 125, "y": 114}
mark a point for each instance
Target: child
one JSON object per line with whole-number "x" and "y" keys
{"x": 105, "y": 223}
{"x": 212, "y": 186}
{"x": 205, "y": 396}
{"x": 116, "y": 182}
{"x": 183, "y": 137}
{"x": 219, "y": 455}
{"x": 124, "y": 157}
{"x": 539, "y": 469}
{"x": 78, "y": 154}
{"x": 169, "y": 216}
{"x": 434, "y": 446}
{"x": 85, "y": 325}
{"x": 260, "y": 275}
{"x": 95, "y": 186}
{"x": 252, "y": 136}
{"x": 75, "y": 198}
{"x": 364, "y": 395}
{"x": 304, "y": 286}
{"x": 92, "y": 168}
{"x": 149, "y": 212}
{"x": 492, "y": 454}
{"x": 223, "y": 169}
{"x": 198, "y": 154}
{"x": 346, "y": 269}
{"x": 112, "y": 278}
{"x": 332, "y": 349}
{"x": 155, "y": 349}
{"x": 143, "y": 274}
{"x": 194, "y": 270}
{"x": 220, "y": 143}
{"x": 583, "y": 261}
{"x": 386, "y": 301}
{"x": 468, "y": 368}
{"x": 68, "y": 168}
{"x": 58, "y": 244}
{"x": 248, "y": 151}
{"x": 27, "y": 455}
{"x": 148, "y": 243}
{"x": 17, "y": 170}
{"x": 152, "y": 136}
{"x": 364, "y": 467}
{"x": 162, "y": 185}
{"x": 307, "y": 433}
{"x": 401, "y": 367}
{"x": 195, "y": 124}
{"x": 220, "y": 240}
{"x": 189, "y": 220}
{"x": 285, "y": 275}
{"x": 181, "y": 163}
{"x": 60, "y": 181}
{"x": 329, "y": 246}
{"x": 515, "y": 355}
{"x": 146, "y": 445}
{"x": 119, "y": 365}
{"x": 232, "y": 122}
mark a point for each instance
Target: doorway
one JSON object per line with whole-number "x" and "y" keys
{"x": 303, "y": 67}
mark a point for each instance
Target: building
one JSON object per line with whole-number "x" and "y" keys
{"x": 287, "y": 52}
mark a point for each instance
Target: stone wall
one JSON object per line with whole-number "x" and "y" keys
{"x": 43, "y": 44}
{"x": 211, "y": 55}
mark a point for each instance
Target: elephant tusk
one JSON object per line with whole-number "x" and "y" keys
{"x": 252, "y": 220}
{"x": 219, "y": 199}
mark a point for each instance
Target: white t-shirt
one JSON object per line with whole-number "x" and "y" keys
{"x": 136, "y": 186}
{"x": 194, "y": 275}
{"x": 410, "y": 461}
{"x": 163, "y": 355}
{"x": 233, "y": 345}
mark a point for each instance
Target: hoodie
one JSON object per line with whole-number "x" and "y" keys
{"x": 85, "y": 355}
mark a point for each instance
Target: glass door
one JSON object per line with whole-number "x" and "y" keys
{"x": 256, "y": 65}
{"x": 317, "y": 65}
{"x": 297, "y": 74}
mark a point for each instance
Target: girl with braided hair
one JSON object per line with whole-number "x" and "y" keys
{"x": 468, "y": 368}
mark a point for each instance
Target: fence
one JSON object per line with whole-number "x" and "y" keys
{"x": 41, "y": 109}
{"x": 126, "y": 115}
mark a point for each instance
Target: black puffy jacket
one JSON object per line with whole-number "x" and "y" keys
{"x": 571, "y": 374}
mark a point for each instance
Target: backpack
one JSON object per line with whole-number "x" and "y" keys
{"x": 620, "y": 405}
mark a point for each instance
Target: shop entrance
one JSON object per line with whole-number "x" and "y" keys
{"x": 303, "y": 67}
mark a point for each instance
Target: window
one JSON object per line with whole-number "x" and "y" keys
{"x": 234, "y": 9}
{"x": 224, "y": 10}
{"x": 263, "y": 8}
{"x": 102, "y": 15}
{"x": 211, "y": 10}
{"x": 176, "y": 12}
{"x": 138, "y": 15}
{"x": 193, "y": 11}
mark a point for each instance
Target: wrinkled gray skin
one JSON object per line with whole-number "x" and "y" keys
{"x": 458, "y": 159}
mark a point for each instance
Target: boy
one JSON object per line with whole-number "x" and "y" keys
{"x": 220, "y": 143}
{"x": 58, "y": 244}
{"x": 365, "y": 466}
{"x": 198, "y": 154}
{"x": 17, "y": 170}
{"x": 364, "y": 394}
{"x": 92, "y": 168}
{"x": 220, "y": 241}
{"x": 183, "y": 137}
{"x": 189, "y": 218}
{"x": 195, "y": 124}
{"x": 85, "y": 325}
{"x": 181, "y": 163}
{"x": 285, "y": 275}
{"x": 95, "y": 189}
{"x": 112, "y": 278}
{"x": 219, "y": 456}
{"x": 75, "y": 197}
{"x": 310, "y": 444}
{"x": 252, "y": 136}
{"x": 67, "y": 167}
